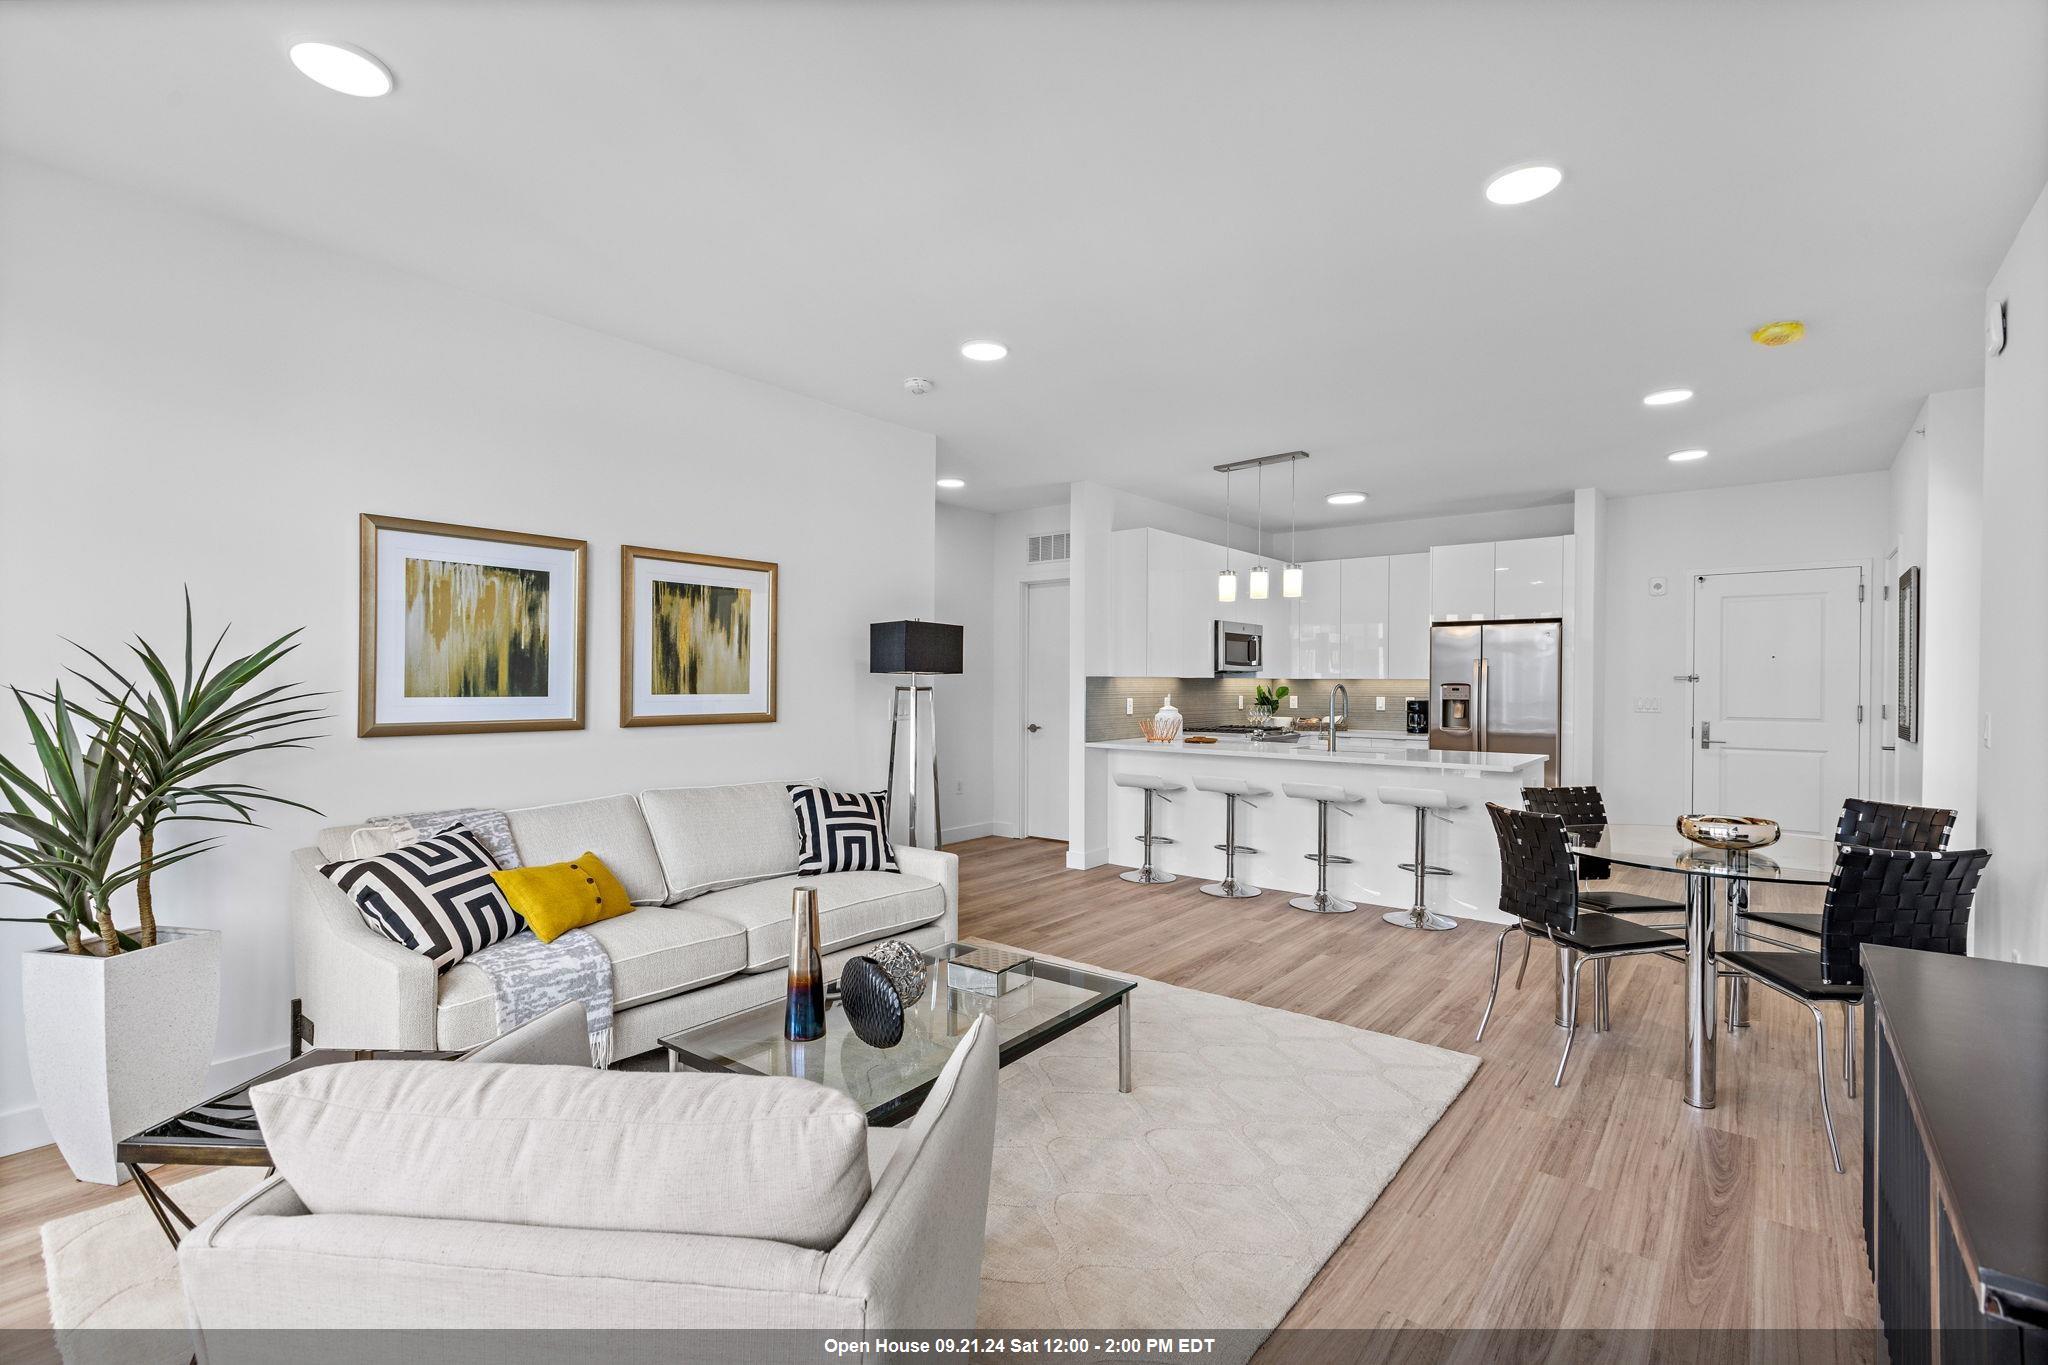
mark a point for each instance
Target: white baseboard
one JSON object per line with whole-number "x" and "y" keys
{"x": 22, "y": 1129}
{"x": 960, "y": 833}
{"x": 1081, "y": 859}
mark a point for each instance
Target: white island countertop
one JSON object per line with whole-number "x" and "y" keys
{"x": 1312, "y": 751}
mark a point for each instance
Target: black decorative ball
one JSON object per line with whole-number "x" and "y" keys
{"x": 871, "y": 1003}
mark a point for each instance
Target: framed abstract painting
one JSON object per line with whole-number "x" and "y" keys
{"x": 465, "y": 630}
{"x": 697, "y": 639}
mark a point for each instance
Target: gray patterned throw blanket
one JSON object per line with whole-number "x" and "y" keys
{"x": 528, "y": 977}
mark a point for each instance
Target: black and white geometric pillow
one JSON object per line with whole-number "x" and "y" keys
{"x": 842, "y": 831}
{"x": 435, "y": 897}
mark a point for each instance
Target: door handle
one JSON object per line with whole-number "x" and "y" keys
{"x": 1034, "y": 729}
{"x": 1706, "y": 730}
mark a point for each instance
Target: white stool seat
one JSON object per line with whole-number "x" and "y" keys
{"x": 1310, "y": 791}
{"x": 1424, "y": 798}
{"x": 1231, "y": 786}
{"x": 1150, "y": 782}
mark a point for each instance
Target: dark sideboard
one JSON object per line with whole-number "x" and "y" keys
{"x": 1955, "y": 1157}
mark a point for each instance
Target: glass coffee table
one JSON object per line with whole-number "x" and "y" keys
{"x": 1051, "y": 1000}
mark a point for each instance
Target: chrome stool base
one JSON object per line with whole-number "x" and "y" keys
{"x": 1232, "y": 890}
{"x": 1322, "y": 904}
{"x": 1419, "y": 919}
{"x": 1147, "y": 876}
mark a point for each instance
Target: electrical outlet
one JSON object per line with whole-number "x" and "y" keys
{"x": 1649, "y": 706}
{"x": 1130, "y": 706}
{"x": 1240, "y": 701}
{"x": 1293, "y": 702}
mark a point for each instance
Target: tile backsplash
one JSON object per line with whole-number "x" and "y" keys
{"x": 1215, "y": 701}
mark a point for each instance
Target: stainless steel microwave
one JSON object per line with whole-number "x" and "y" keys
{"x": 1240, "y": 647}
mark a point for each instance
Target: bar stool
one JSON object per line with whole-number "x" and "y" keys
{"x": 1232, "y": 790}
{"x": 1424, "y": 800}
{"x": 1322, "y": 902}
{"x": 1152, "y": 785}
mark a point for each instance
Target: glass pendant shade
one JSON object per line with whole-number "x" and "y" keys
{"x": 1290, "y": 581}
{"x": 1226, "y": 586}
{"x": 1262, "y": 582}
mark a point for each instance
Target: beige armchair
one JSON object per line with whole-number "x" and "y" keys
{"x": 910, "y": 1256}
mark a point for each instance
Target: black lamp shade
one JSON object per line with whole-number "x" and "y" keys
{"x": 913, "y": 647}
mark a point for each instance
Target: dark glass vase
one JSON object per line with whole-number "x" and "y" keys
{"x": 804, "y": 1019}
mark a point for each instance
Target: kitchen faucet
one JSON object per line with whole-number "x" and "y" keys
{"x": 1331, "y": 737}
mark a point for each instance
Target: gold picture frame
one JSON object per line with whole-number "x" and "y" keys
{"x": 428, "y": 663}
{"x": 722, "y": 672}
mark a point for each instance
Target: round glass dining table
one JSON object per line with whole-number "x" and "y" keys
{"x": 1716, "y": 894}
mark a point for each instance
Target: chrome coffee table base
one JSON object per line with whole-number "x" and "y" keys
{"x": 1232, "y": 889}
{"x": 1419, "y": 919}
{"x": 1322, "y": 904}
{"x": 1147, "y": 876}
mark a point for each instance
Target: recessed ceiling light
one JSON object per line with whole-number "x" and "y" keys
{"x": 984, "y": 350}
{"x": 1681, "y": 456}
{"x": 952, "y": 483}
{"x": 1523, "y": 184}
{"x": 1664, "y": 398}
{"x": 350, "y": 70}
{"x": 1344, "y": 499}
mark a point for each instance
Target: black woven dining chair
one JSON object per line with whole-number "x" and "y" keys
{"x": 1582, "y": 808}
{"x": 1901, "y": 898}
{"x": 1539, "y": 886}
{"x": 1864, "y": 824}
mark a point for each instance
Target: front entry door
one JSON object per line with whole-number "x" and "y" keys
{"x": 1045, "y": 711}
{"x": 1776, "y": 714}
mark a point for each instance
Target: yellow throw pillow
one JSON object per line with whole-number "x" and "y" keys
{"x": 558, "y": 897}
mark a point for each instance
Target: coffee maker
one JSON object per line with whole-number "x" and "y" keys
{"x": 1418, "y": 716}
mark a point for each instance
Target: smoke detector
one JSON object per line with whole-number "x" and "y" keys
{"x": 916, "y": 385}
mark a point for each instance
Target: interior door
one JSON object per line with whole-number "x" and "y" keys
{"x": 1777, "y": 729}
{"x": 1045, "y": 711}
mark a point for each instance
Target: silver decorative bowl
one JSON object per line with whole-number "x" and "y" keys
{"x": 905, "y": 967}
{"x": 1732, "y": 832}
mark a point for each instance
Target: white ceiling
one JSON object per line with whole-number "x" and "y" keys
{"x": 1206, "y": 230}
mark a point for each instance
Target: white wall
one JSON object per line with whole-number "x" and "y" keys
{"x": 1937, "y": 492}
{"x": 1645, "y": 771}
{"x": 187, "y": 401}
{"x": 1006, "y": 675}
{"x": 964, "y": 596}
{"x": 2012, "y": 777}
{"x": 1409, "y": 537}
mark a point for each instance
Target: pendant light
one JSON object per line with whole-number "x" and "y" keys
{"x": 1226, "y": 582}
{"x": 1290, "y": 577}
{"x": 1262, "y": 578}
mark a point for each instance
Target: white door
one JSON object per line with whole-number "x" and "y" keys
{"x": 1045, "y": 711}
{"x": 1776, "y": 725}
{"x": 1888, "y": 785}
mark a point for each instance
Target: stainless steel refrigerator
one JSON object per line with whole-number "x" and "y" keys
{"x": 1497, "y": 686}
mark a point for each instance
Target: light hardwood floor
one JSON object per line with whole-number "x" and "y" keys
{"x": 1606, "y": 1203}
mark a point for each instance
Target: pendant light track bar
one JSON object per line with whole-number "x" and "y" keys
{"x": 1287, "y": 458}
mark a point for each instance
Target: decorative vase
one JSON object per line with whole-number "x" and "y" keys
{"x": 873, "y": 1005}
{"x": 1165, "y": 723}
{"x": 804, "y": 1019}
{"x": 118, "y": 1044}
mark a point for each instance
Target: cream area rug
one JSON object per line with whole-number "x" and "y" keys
{"x": 1254, "y": 1141}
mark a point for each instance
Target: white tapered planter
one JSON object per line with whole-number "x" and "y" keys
{"x": 118, "y": 1044}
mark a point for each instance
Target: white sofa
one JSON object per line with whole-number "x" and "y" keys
{"x": 568, "y": 1219}
{"x": 710, "y": 870}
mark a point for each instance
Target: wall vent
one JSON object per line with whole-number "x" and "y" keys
{"x": 1054, "y": 548}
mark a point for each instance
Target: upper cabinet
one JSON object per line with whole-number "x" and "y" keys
{"x": 1408, "y": 615}
{"x": 1362, "y": 617}
{"x": 1317, "y": 622}
{"x": 1529, "y": 577}
{"x": 1461, "y": 582}
{"x": 1130, "y": 601}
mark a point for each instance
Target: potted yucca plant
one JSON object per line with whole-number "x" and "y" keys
{"x": 120, "y": 1021}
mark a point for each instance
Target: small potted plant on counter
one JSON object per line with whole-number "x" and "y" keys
{"x": 120, "y": 1022}
{"x": 1266, "y": 701}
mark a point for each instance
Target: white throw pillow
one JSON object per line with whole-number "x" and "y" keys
{"x": 556, "y": 1146}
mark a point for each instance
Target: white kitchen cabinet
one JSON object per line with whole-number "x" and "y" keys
{"x": 1362, "y": 614}
{"x": 1317, "y": 621}
{"x": 1129, "y": 630}
{"x": 1529, "y": 577}
{"x": 1461, "y": 582}
{"x": 1408, "y": 615}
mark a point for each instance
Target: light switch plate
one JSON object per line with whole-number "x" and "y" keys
{"x": 1379, "y": 703}
{"x": 1130, "y": 706}
{"x": 1293, "y": 702}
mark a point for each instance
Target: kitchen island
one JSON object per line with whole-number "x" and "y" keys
{"x": 1376, "y": 837}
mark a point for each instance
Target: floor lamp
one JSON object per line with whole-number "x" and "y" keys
{"x": 914, "y": 648}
